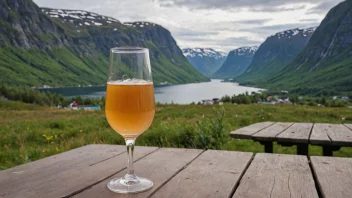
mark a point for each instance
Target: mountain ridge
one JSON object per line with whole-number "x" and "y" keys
{"x": 205, "y": 60}
{"x": 60, "y": 49}
{"x": 276, "y": 51}
{"x": 236, "y": 62}
{"x": 326, "y": 62}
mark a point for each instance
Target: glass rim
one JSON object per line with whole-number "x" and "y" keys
{"x": 129, "y": 50}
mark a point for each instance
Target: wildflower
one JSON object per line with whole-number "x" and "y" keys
{"x": 80, "y": 131}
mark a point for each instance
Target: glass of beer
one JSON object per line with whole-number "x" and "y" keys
{"x": 130, "y": 107}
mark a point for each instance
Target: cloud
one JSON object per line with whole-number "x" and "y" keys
{"x": 253, "y": 21}
{"x": 254, "y": 5}
{"x": 323, "y": 7}
{"x": 182, "y": 32}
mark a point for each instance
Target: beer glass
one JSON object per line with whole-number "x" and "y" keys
{"x": 130, "y": 107}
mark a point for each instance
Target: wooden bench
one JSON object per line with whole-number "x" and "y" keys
{"x": 84, "y": 172}
{"x": 330, "y": 136}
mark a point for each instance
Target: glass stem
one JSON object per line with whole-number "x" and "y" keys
{"x": 130, "y": 177}
{"x": 130, "y": 149}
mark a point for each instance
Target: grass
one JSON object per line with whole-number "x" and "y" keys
{"x": 30, "y": 132}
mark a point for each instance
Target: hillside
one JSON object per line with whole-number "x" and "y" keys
{"x": 205, "y": 60}
{"x": 275, "y": 52}
{"x": 236, "y": 63}
{"x": 70, "y": 47}
{"x": 326, "y": 62}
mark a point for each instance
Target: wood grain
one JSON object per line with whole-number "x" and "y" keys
{"x": 274, "y": 175}
{"x": 59, "y": 175}
{"x": 270, "y": 133}
{"x": 159, "y": 166}
{"x": 319, "y": 135}
{"x": 248, "y": 131}
{"x": 334, "y": 176}
{"x": 297, "y": 133}
{"x": 340, "y": 135}
{"x": 349, "y": 126}
{"x": 331, "y": 134}
{"x": 213, "y": 174}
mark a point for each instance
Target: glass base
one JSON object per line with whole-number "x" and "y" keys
{"x": 122, "y": 185}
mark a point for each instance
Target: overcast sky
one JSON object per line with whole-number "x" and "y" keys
{"x": 220, "y": 24}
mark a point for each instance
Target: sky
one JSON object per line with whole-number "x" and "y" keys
{"x": 223, "y": 25}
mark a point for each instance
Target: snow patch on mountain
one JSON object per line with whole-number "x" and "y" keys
{"x": 139, "y": 24}
{"x": 295, "y": 32}
{"x": 203, "y": 52}
{"x": 78, "y": 17}
{"x": 244, "y": 51}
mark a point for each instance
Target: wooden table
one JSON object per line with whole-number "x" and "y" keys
{"x": 330, "y": 136}
{"x": 84, "y": 172}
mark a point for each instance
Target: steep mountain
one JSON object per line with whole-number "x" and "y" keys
{"x": 70, "y": 47}
{"x": 236, "y": 62}
{"x": 205, "y": 60}
{"x": 326, "y": 62}
{"x": 275, "y": 52}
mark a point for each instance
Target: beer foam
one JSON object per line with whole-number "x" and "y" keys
{"x": 130, "y": 82}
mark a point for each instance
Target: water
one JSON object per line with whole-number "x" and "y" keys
{"x": 178, "y": 94}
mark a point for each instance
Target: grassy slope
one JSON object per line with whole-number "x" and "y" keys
{"x": 55, "y": 67}
{"x": 35, "y": 132}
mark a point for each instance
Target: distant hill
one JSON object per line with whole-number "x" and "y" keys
{"x": 236, "y": 63}
{"x": 71, "y": 47}
{"x": 325, "y": 64}
{"x": 275, "y": 52}
{"x": 205, "y": 60}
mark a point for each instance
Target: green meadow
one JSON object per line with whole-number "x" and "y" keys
{"x": 31, "y": 132}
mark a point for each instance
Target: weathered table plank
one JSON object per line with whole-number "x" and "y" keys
{"x": 159, "y": 166}
{"x": 341, "y": 135}
{"x": 319, "y": 134}
{"x": 274, "y": 175}
{"x": 212, "y": 174}
{"x": 331, "y": 137}
{"x": 297, "y": 133}
{"x": 75, "y": 169}
{"x": 334, "y": 176}
{"x": 270, "y": 133}
{"x": 248, "y": 131}
{"x": 335, "y": 134}
{"x": 349, "y": 126}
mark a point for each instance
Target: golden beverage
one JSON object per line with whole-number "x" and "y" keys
{"x": 130, "y": 107}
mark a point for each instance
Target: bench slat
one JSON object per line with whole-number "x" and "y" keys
{"x": 331, "y": 134}
{"x": 297, "y": 133}
{"x": 159, "y": 166}
{"x": 274, "y": 175}
{"x": 319, "y": 134}
{"x": 334, "y": 176}
{"x": 248, "y": 131}
{"x": 270, "y": 133}
{"x": 213, "y": 174}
